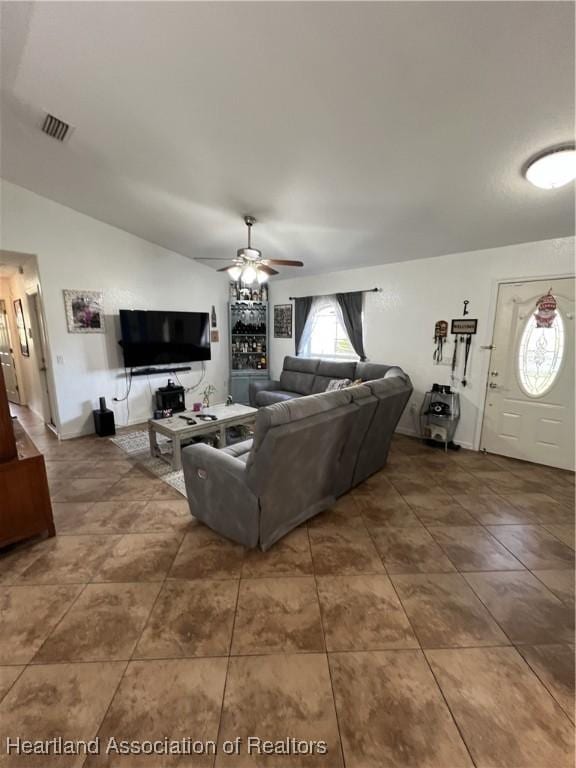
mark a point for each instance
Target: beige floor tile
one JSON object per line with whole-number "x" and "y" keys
{"x": 190, "y": 618}
{"x": 445, "y": 612}
{"x": 15, "y": 560}
{"x": 343, "y": 552}
{"x": 544, "y": 508}
{"x": 491, "y": 509}
{"x": 67, "y": 700}
{"x": 534, "y": 546}
{"x": 8, "y": 676}
{"x": 213, "y": 558}
{"x": 134, "y": 486}
{"x": 96, "y": 517}
{"x": 390, "y": 510}
{"x": 28, "y": 615}
{"x": 341, "y": 515}
{"x": 178, "y": 698}
{"x": 472, "y": 548}
{"x": 290, "y": 556}
{"x": 438, "y": 509}
{"x": 275, "y": 697}
{"x": 277, "y": 615}
{"x": 161, "y": 515}
{"x": 565, "y": 534}
{"x": 363, "y": 613}
{"x": 525, "y": 609}
{"x": 391, "y": 712}
{"x": 554, "y": 665}
{"x": 140, "y": 557}
{"x": 505, "y": 482}
{"x": 83, "y": 489}
{"x": 68, "y": 560}
{"x": 410, "y": 550}
{"x": 559, "y": 582}
{"x": 504, "y": 713}
{"x": 104, "y": 623}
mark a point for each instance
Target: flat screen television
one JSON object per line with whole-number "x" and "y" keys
{"x": 164, "y": 338}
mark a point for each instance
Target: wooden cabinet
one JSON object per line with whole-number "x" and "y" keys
{"x": 25, "y": 508}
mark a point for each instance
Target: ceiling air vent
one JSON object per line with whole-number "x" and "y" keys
{"x": 56, "y": 128}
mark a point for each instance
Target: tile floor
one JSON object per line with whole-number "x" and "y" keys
{"x": 426, "y": 621}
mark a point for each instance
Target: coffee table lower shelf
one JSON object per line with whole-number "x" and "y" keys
{"x": 179, "y": 432}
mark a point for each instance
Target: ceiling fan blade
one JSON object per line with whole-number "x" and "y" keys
{"x": 225, "y": 269}
{"x": 285, "y": 262}
{"x": 267, "y": 269}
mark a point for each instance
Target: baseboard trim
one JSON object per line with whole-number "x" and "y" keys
{"x": 86, "y": 433}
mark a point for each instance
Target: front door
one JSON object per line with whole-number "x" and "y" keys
{"x": 529, "y": 411}
{"x": 7, "y": 357}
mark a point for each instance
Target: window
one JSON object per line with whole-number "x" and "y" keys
{"x": 540, "y": 356}
{"x": 325, "y": 335}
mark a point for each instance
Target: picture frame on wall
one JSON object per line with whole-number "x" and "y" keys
{"x": 84, "y": 311}
{"x": 21, "y": 326}
{"x": 283, "y": 321}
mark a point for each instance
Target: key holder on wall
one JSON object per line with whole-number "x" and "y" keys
{"x": 440, "y": 335}
{"x": 463, "y": 330}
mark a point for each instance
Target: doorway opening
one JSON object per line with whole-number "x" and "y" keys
{"x": 529, "y": 411}
{"x": 23, "y": 341}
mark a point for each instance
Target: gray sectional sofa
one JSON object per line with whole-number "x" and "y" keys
{"x": 310, "y": 376}
{"x": 310, "y": 446}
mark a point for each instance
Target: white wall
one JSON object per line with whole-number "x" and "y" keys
{"x": 76, "y": 251}
{"x": 399, "y": 321}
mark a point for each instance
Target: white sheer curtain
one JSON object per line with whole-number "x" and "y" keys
{"x": 319, "y": 304}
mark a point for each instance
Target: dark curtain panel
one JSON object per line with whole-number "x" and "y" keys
{"x": 351, "y": 306}
{"x": 302, "y": 308}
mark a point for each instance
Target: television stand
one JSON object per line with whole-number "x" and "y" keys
{"x": 148, "y": 371}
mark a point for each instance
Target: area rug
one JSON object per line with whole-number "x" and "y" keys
{"x": 137, "y": 446}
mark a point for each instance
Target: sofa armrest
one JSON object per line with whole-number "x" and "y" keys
{"x": 218, "y": 494}
{"x": 260, "y": 386}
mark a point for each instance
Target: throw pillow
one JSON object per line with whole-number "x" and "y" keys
{"x": 335, "y": 384}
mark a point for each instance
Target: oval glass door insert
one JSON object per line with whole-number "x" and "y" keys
{"x": 540, "y": 356}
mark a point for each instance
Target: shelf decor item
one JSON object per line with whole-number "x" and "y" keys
{"x": 84, "y": 311}
{"x": 283, "y": 321}
{"x": 21, "y": 325}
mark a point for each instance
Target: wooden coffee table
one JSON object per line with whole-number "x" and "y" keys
{"x": 178, "y": 431}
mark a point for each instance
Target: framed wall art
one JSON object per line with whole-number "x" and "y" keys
{"x": 84, "y": 311}
{"x": 21, "y": 325}
{"x": 283, "y": 321}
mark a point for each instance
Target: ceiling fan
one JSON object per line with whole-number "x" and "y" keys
{"x": 249, "y": 266}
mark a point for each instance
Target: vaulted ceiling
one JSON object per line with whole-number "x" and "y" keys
{"x": 357, "y": 133}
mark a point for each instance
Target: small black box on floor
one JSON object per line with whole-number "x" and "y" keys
{"x": 170, "y": 397}
{"x": 104, "y": 420}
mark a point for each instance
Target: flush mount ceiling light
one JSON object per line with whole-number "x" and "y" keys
{"x": 552, "y": 168}
{"x": 249, "y": 265}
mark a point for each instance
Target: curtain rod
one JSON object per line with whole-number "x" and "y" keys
{"x": 366, "y": 290}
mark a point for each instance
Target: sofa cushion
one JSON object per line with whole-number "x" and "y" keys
{"x": 371, "y": 371}
{"x": 271, "y": 396}
{"x": 295, "y": 409}
{"x": 239, "y": 450}
{"x": 298, "y": 374}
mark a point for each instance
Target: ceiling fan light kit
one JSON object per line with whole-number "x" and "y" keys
{"x": 249, "y": 266}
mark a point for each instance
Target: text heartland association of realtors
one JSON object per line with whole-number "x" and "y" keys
{"x": 251, "y": 745}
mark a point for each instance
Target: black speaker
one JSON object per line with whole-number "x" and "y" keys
{"x": 104, "y": 420}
